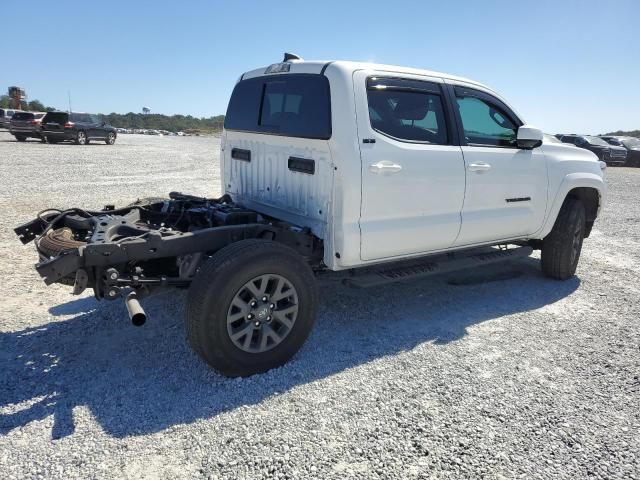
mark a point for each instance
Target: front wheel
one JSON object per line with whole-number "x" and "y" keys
{"x": 561, "y": 248}
{"x": 251, "y": 307}
{"x": 111, "y": 138}
{"x": 21, "y": 138}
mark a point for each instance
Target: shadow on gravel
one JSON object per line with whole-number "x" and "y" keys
{"x": 142, "y": 380}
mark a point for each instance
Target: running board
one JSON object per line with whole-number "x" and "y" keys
{"x": 434, "y": 265}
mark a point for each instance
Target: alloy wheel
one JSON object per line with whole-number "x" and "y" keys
{"x": 262, "y": 313}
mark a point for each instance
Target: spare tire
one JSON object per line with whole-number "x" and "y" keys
{"x": 56, "y": 241}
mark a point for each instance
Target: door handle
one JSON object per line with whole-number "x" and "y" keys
{"x": 385, "y": 167}
{"x": 479, "y": 167}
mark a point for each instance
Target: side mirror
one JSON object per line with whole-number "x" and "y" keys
{"x": 529, "y": 137}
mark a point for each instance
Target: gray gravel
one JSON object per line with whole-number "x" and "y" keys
{"x": 505, "y": 374}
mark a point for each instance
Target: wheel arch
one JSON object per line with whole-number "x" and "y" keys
{"x": 589, "y": 188}
{"x": 590, "y": 198}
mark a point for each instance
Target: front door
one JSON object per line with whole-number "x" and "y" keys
{"x": 413, "y": 177}
{"x": 506, "y": 194}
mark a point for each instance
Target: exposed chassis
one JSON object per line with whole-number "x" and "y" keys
{"x": 153, "y": 243}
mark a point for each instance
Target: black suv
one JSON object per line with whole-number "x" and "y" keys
{"x": 79, "y": 128}
{"x": 631, "y": 144}
{"x": 605, "y": 152}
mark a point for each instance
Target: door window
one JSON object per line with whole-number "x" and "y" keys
{"x": 485, "y": 123}
{"x": 407, "y": 110}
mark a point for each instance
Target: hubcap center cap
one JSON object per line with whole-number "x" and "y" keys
{"x": 262, "y": 313}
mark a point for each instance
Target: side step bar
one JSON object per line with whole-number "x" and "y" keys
{"x": 435, "y": 265}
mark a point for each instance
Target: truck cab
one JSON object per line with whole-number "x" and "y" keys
{"x": 385, "y": 163}
{"x": 368, "y": 173}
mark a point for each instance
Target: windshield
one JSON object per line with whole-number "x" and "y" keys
{"x": 631, "y": 142}
{"x": 597, "y": 141}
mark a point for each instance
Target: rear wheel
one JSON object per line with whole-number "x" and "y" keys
{"x": 561, "y": 248}
{"x": 251, "y": 307}
{"x": 21, "y": 138}
{"x": 81, "y": 138}
{"x": 111, "y": 138}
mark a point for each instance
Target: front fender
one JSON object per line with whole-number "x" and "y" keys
{"x": 569, "y": 182}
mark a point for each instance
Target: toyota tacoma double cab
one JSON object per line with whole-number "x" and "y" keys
{"x": 372, "y": 173}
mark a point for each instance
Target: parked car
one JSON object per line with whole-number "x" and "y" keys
{"x": 551, "y": 138}
{"x": 631, "y": 144}
{"x": 5, "y": 117}
{"x": 328, "y": 168}
{"x": 76, "y": 127}
{"x": 610, "y": 154}
{"x": 25, "y": 125}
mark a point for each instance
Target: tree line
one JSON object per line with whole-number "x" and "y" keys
{"x": 629, "y": 133}
{"x": 156, "y": 121}
{"x": 147, "y": 121}
{"x": 33, "y": 105}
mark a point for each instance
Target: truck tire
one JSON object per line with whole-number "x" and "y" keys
{"x": 251, "y": 307}
{"x": 561, "y": 248}
{"x": 21, "y": 138}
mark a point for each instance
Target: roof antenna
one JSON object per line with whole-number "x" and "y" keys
{"x": 291, "y": 56}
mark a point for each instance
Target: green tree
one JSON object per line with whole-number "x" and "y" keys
{"x": 36, "y": 106}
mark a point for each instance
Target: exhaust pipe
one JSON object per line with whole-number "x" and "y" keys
{"x": 136, "y": 312}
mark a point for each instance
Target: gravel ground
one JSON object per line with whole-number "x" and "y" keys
{"x": 502, "y": 374}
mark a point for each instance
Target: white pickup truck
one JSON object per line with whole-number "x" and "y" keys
{"x": 372, "y": 172}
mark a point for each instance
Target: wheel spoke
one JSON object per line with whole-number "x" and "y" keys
{"x": 241, "y": 304}
{"x": 235, "y": 317}
{"x": 264, "y": 338}
{"x": 269, "y": 332}
{"x": 244, "y": 331}
{"x": 277, "y": 294}
{"x": 281, "y": 315}
{"x": 247, "y": 340}
{"x": 258, "y": 291}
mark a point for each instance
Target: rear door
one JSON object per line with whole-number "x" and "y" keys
{"x": 413, "y": 175}
{"x": 96, "y": 127}
{"x": 506, "y": 193}
{"x": 21, "y": 121}
{"x": 54, "y": 121}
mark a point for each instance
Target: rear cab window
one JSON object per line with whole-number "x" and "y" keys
{"x": 407, "y": 110}
{"x": 294, "y": 105}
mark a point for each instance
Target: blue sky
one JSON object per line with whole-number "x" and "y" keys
{"x": 564, "y": 65}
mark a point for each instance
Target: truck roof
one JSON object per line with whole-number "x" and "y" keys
{"x": 318, "y": 66}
